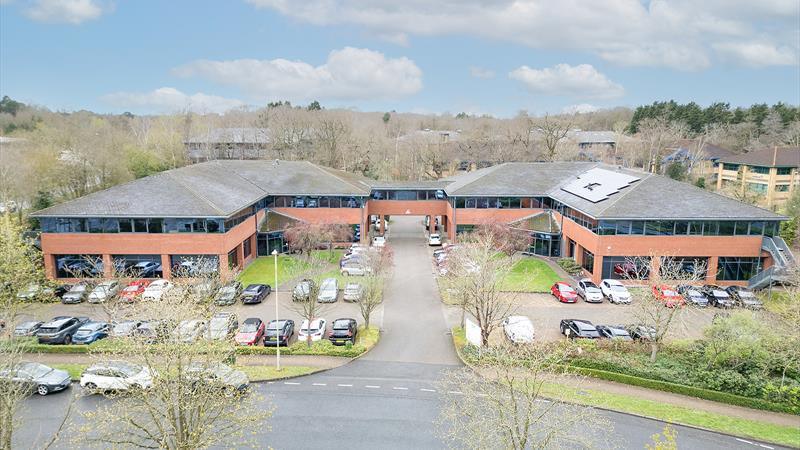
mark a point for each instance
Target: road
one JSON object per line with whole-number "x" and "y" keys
{"x": 388, "y": 399}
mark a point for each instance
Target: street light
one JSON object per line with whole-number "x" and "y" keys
{"x": 278, "y": 347}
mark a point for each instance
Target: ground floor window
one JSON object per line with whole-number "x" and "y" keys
{"x": 684, "y": 267}
{"x": 460, "y": 229}
{"x": 545, "y": 244}
{"x": 267, "y": 242}
{"x": 233, "y": 258}
{"x": 193, "y": 265}
{"x": 247, "y": 247}
{"x": 78, "y": 266}
{"x": 139, "y": 266}
{"x": 588, "y": 260}
{"x": 737, "y": 269}
{"x": 626, "y": 267}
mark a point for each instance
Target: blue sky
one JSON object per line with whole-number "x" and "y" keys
{"x": 493, "y": 56}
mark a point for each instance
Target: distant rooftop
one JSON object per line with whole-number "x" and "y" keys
{"x": 769, "y": 157}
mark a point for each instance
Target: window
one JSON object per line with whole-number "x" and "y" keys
{"x": 727, "y": 166}
{"x": 759, "y": 188}
{"x": 246, "y": 246}
{"x": 233, "y": 259}
{"x": 125, "y": 226}
{"x": 624, "y": 227}
{"x": 145, "y": 266}
{"x": 784, "y": 171}
{"x": 588, "y": 260}
{"x": 78, "y": 266}
{"x": 737, "y": 269}
{"x": 696, "y": 228}
{"x": 155, "y": 226}
{"x": 756, "y": 228}
{"x": 193, "y": 265}
{"x": 741, "y": 228}
{"x": 140, "y": 225}
{"x": 711, "y": 229}
{"x": 781, "y": 188}
{"x": 637, "y": 227}
{"x": 759, "y": 169}
{"x": 726, "y": 228}
{"x": 681, "y": 228}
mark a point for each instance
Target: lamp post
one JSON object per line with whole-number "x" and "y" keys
{"x": 278, "y": 347}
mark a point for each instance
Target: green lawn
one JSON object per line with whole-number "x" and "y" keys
{"x": 255, "y": 373}
{"x": 530, "y": 275}
{"x": 262, "y": 270}
{"x": 74, "y": 370}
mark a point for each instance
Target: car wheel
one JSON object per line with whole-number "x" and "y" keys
{"x": 67, "y": 340}
{"x": 91, "y": 386}
{"x": 42, "y": 390}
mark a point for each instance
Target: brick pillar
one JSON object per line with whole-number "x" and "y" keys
{"x": 597, "y": 273}
{"x": 713, "y": 265}
{"x": 108, "y": 266}
{"x": 432, "y": 225}
{"x": 240, "y": 255}
{"x": 224, "y": 271}
{"x": 383, "y": 224}
{"x": 49, "y": 266}
{"x": 166, "y": 267}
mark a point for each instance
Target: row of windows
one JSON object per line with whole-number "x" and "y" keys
{"x": 503, "y": 202}
{"x": 124, "y": 225}
{"x": 682, "y": 228}
{"x": 138, "y": 266}
{"x": 313, "y": 202}
{"x": 404, "y": 194}
{"x": 759, "y": 169}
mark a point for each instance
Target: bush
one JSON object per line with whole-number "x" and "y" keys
{"x": 570, "y": 266}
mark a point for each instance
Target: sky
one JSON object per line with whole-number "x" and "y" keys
{"x": 492, "y": 57}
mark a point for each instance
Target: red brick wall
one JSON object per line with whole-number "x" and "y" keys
{"x": 350, "y": 216}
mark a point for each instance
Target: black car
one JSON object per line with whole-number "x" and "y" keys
{"x": 303, "y": 290}
{"x": 255, "y": 293}
{"x": 29, "y": 328}
{"x": 344, "y": 330}
{"x": 717, "y": 296}
{"x": 692, "y": 295}
{"x": 744, "y": 297}
{"x": 60, "y": 329}
{"x": 62, "y": 289}
{"x": 228, "y": 294}
{"x": 616, "y": 332}
{"x": 641, "y": 332}
{"x": 577, "y": 328}
{"x": 278, "y": 332}
{"x": 35, "y": 377}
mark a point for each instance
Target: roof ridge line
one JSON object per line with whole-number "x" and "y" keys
{"x": 336, "y": 176}
{"x": 488, "y": 170}
{"x": 198, "y": 195}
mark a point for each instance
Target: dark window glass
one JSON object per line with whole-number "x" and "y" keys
{"x": 624, "y": 227}
{"x": 727, "y": 166}
{"x": 741, "y": 228}
{"x": 95, "y": 225}
{"x": 759, "y": 169}
{"x": 233, "y": 259}
{"x": 483, "y": 202}
{"x": 667, "y": 227}
{"x": 140, "y": 225}
{"x": 588, "y": 260}
{"x": 325, "y": 202}
{"x": 125, "y": 226}
{"x": 199, "y": 226}
{"x": 756, "y": 228}
{"x": 460, "y": 202}
{"x": 770, "y": 229}
{"x": 695, "y": 228}
{"x": 110, "y": 226}
{"x": 607, "y": 227}
{"x": 737, "y": 269}
{"x": 681, "y": 228}
{"x": 526, "y": 202}
{"x": 784, "y": 170}
{"x": 652, "y": 228}
{"x": 711, "y": 229}
{"x": 213, "y": 225}
{"x": 726, "y": 228}
{"x": 637, "y": 227}
{"x": 246, "y": 247}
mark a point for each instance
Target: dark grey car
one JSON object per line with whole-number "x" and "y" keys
{"x": 60, "y": 330}
{"x": 218, "y": 375}
{"x": 29, "y": 328}
{"x": 37, "y": 377}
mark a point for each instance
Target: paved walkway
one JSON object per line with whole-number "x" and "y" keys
{"x": 317, "y": 362}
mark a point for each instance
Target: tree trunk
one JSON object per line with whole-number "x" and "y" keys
{"x": 653, "y": 351}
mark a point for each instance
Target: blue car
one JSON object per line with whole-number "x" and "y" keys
{"x": 91, "y": 332}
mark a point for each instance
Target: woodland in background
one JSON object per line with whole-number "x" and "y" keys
{"x": 63, "y": 155}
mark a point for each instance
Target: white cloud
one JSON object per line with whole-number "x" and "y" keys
{"x": 666, "y": 33}
{"x": 480, "y": 72}
{"x": 756, "y": 54}
{"x": 348, "y": 74}
{"x": 73, "y": 12}
{"x": 169, "y": 100}
{"x": 581, "y": 108}
{"x": 581, "y": 81}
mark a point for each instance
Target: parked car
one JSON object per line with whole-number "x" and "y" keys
{"x": 316, "y": 330}
{"x": 125, "y": 328}
{"x": 518, "y": 329}
{"x": 744, "y": 297}
{"x": 31, "y": 291}
{"x": 692, "y": 295}
{"x": 146, "y": 269}
{"x": 28, "y": 328}
{"x": 343, "y": 331}
{"x": 77, "y": 293}
{"x": 615, "y": 291}
{"x": 616, "y": 332}
{"x": 36, "y": 377}
{"x": 352, "y": 292}
{"x": 589, "y": 291}
{"x": 156, "y": 290}
{"x": 90, "y": 332}
{"x": 328, "y": 290}
{"x": 61, "y": 289}
{"x": 228, "y": 294}
{"x": 357, "y": 267}
{"x": 104, "y": 291}
{"x": 116, "y": 376}
{"x": 279, "y": 332}
{"x": 218, "y": 375}
{"x": 153, "y": 331}
{"x": 641, "y": 332}
{"x": 303, "y": 290}
{"x": 577, "y": 328}
{"x": 190, "y": 330}
{"x": 133, "y": 290}
{"x": 564, "y": 292}
{"x": 222, "y": 326}
{"x": 379, "y": 241}
{"x": 59, "y": 330}
{"x": 717, "y": 296}
{"x": 631, "y": 270}
{"x": 250, "y": 331}
{"x": 255, "y": 293}
{"x": 435, "y": 239}
{"x": 668, "y": 296}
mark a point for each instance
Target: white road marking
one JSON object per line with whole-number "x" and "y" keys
{"x": 542, "y": 400}
{"x": 399, "y": 388}
{"x": 766, "y": 446}
{"x": 369, "y": 386}
{"x": 427, "y": 390}
{"x": 743, "y": 440}
{"x": 455, "y": 392}
{"x": 345, "y": 385}
{"x": 319, "y": 384}
{"x": 290, "y": 382}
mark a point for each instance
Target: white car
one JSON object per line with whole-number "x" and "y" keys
{"x": 328, "y": 290}
{"x": 589, "y": 291}
{"x": 435, "y": 239}
{"x": 615, "y": 291}
{"x": 116, "y": 376}
{"x": 156, "y": 290}
{"x": 316, "y": 330}
{"x": 352, "y": 292}
{"x": 357, "y": 267}
{"x": 379, "y": 241}
{"x": 190, "y": 330}
{"x": 518, "y": 329}
{"x": 104, "y": 291}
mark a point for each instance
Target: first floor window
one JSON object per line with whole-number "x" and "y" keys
{"x": 233, "y": 259}
{"x": 588, "y": 260}
{"x": 246, "y": 246}
{"x": 737, "y": 269}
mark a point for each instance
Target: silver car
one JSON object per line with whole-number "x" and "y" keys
{"x": 352, "y": 292}
{"x": 328, "y": 291}
{"x": 104, "y": 291}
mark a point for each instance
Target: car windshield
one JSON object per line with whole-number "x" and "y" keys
{"x": 720, "y": 293}
{"x": 35, "y": 370}
{"x": 314, "y": 328}
{"x": 341, "y": 325}
{"x": 564, "y": 288}
{"x": 248, "y": 327}
{"x": 78, "y": 288}
{"x": 747, "y": 294}
{"x": 219, "y": 324}
{"x": 618, "y": 288}
{"x": 274, "y": 326}
{"x": 302, "y": 288}
{"x": 124, "y": 327}
{"x": 694, "y": 293}
{"x": 593, "y": 289}
{"x": 228, "y": 290}
{"x": 132, "y": 288}
{"x": 584, "y": 326}
{"x": 155, "y": 287}
{"x": 128, "y": 369}
{"x": 670, "y": 293}
{"x": 47, "y": 330}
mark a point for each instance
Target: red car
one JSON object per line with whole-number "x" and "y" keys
{"x": 564, "y": 292}
{"x": 250, "y": 332}
{"x": 133, "y": 290}
{"x": 668, "y": 296}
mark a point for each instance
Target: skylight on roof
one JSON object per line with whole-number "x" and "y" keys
{"x": 597, "y": 185}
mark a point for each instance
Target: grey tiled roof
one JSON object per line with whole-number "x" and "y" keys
{"x": 424, "y": 184}
{"x": 770, "y": 157}
{"x": 211, "y": 189}
{"x": 515, "y": 179}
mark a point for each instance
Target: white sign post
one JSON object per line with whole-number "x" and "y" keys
{"x": 473, "y": 333}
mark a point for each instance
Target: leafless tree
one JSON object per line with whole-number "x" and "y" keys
{"x": 655, "y": 134}
{"x": 371, "y": 297}
{"x": 309, "y": 308}
{"x": 330, "y": 133}
{"x": 503, "y": 404}
{"x": 551, "y": 132}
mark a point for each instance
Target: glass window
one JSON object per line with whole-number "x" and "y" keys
{"x": 681, "y": 228}
{"x": 588, "y": 260}
{"x": 784, "y": 170}
{"x": 325, "y": 202}
{"x": 771, "y": 229}
{"x": 727, "y": 166}
{"x": 741, "y": 228}
{"x": 460, "y": 202}
{"x": 759, "y": 169}
{"x": 483, "y": 202}
{"x": 695, "y": 228}
{"x": 726, "y": 228}
{"x": 737, "y": 269}
{"x": 246, "y": 247}
{"x": 199, "y": 226}
{"x": 782, "y": 188}
{"x": 607, "y": 227}
{"x": 711, "y": 229}
{"x": 233, "y": 259}
{"x": 667, "y": 227}
{"x": 125, "y": 226}
{"x": 759, "y": 188}
{"x": 624, "y": 227}
{"x": 95, "y": 225}
{"x": 140, "y": 225}
{"x": 637, "y": 227}
{"x": 111, "y": 226}
{"x": 652, "y": 228}
{"x": 756, "y": 228}
{"x": 78, "y": 266}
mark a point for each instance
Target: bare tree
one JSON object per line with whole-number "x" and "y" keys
{"x": 503, "y": 404}
{"x": 330, "y": 133}
{"x": 309, "y": 308}
{"x": 371, "y": 297}
{"x": 305, "y": 237}
{"x": 504, "y": 238}
{"x": 654, "y": 135}
{"x": 551, "y": 132}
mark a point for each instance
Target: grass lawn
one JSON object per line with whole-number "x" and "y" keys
{"x": 262, "y": 270}
{"x": 530, "y": 275}
{"x": 255, "y": 373}
{"x": 74, "y": 370}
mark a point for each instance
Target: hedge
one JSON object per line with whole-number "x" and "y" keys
{"x": 706, "y": 394}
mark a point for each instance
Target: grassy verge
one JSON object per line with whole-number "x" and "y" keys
{"x": 74, "y": 370}
{"x": 662, "y": 411}
{"x": 530, "y": 275}
{"x": 255, "y": 373}
{"x": 262, "y": 270}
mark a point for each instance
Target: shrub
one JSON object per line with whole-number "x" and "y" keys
{"x": 570, "y": 266}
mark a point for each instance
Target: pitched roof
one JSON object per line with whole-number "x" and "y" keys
{"x": 210, "y": 189}
{"x": 769, "y": 157}
{"x": 515, "y": 179}
{"x": 682, "y": 150}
